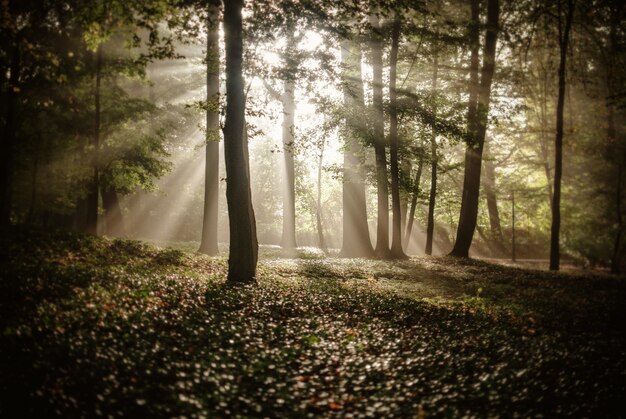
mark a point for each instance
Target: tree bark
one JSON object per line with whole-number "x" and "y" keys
{"x": 405, "y": 170}
{"x": 396, "y": 243}
{"x": 208, "y": 242}
{"x": 93, "y": 191}
{"x": 489, "y": 186}
{"x": 477, "y": 127}
{"x": 430, "y": 229}
{"x": 356, "y": 238}
{"x": 8, "y": 138}
{"x": 289, "y": 188}
{"x": 416, "y": 190}
{"x": 555, "y": 255}
{"x": 243, "y": 252}
{"x": 113, "y": 224}
{"x": 382, "y": 229}
{"x": 318, "y": 203}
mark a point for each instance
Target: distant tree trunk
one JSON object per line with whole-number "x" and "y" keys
{"x": 617, "y": 244}
{"x": 7, "y": 146}
{"x": 477, "y": 124}
{"x": 489, "y": 185}
{"x": 404, "y": 200}
{"x": 430, "y": 229}
{"x": 382, "y": 230}
{"x": 564, "y": 30}
{"x": 289, "y": 189}
{"x": 356, "y": 237}
{"x": 396, "y": 243}
{"x": 243, "y": 252}
{"x": 545, "y": 152}
{"x": 93, "y": 191}
{"x": 113, "y": 224}
{"x": 208, "y": 243}
{"x": 614, "y": 147}
{"x": 416, "y": 190}
{"x": 287, "y": 99}
{"x": 34, "y": 180}
{"x": 318, "y": 203}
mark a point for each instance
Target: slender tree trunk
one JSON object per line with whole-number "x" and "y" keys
{"x": 430, "y": 229}
{"x": 208, "y": 243}
{"x": 489, "y": 186}
{"x": 34, "y": 181}
{"x": 404, "y": 200}
{"x": 289, "y": 188}
{"x": 94, "y": 185}
{"x": 416, "y": 190}
{"x": 477, "y": 124}
{"x": 356, "y": 237}
{"x": 318, "y": 203}
{"x": 7, "y": 146}
{"x": 617, "y": 244}
{"x": 243, "y": 252}
{"x": 113, "y": 224}
{"x": 545, "y": 152}
{"x": 555, "y": 255}
{"x": 614, "y": 147}
{"x": 382, "y": 230}
{"x": 396, "y": 243}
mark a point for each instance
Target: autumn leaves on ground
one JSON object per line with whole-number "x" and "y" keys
{"x": 111, "y": 327}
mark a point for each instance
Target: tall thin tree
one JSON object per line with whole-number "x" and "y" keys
{"x": 376, "y": 48}
{"x": 396, "y": 243}
{"x": 208, "y": 243}
{"x": 478, "y": 113}
{"x": 356, "y": 239}
{"x": 430, "y": 228}
{"x": 244, "y": 247}
{"x": 565, "y": 19}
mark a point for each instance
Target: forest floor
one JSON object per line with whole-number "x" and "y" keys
{"x": 92, "y": 326}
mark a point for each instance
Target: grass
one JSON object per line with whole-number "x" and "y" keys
{"x": 94, "y": 326}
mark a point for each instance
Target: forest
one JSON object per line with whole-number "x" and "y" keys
{"x": 328, "y": 208}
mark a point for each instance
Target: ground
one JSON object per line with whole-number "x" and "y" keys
{"x": 94, "y": 326}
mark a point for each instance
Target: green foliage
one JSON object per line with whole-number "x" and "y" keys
{"x": 93, "y": 326}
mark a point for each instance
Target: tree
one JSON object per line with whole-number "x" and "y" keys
{"x": 489, "y": 186}
{"x": 565, "y": 19}
{"x": 430, "y": 228}
{"x": 356, "y": 239}
{"x": 477, "y": 117}
{"x": 208, "y": 243}
{"x": 287, "y": 100}
{"x": 378, "y": 132}
{"x": 396, "y": 251}
{"x": 243, "y": 252}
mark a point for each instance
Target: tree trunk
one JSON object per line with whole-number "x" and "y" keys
{"x": 113, "y": 224}
{"x": 382, "y": 229}
{"x": 356, "y": 237}
{"x": 318, "y": 203}
{"x": 7, "y": 146}
{"x": 617, "y": 244}
{"x": 94, "y": 185}
{"x": 416, "y": 190}
{"x": 545, "y": 152}
{"x": 477, "y": 127}
{"x": 489, "y": 186}
{"x": 34, "y": 181}
{"x": 208, "y": 242}
{"x": 404, "y": 200}
{"x": 243, "y": 252}
{"x": 396, "y": 243}
{"x": 289, "y": 188}
{"x": 430, "y": 229}
{"x": 555, "y": 255}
